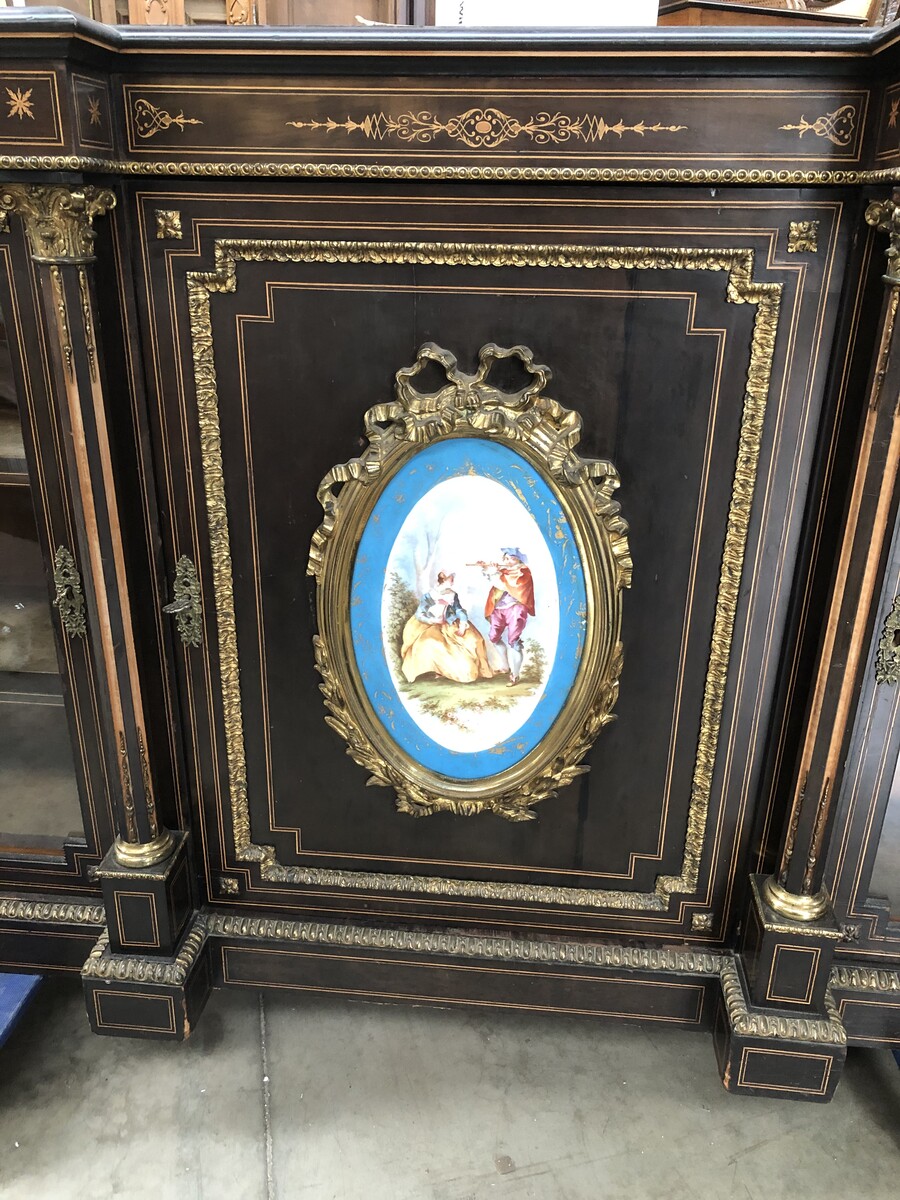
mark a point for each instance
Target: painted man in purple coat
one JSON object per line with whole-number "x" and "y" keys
{"x": 509, "y": 604}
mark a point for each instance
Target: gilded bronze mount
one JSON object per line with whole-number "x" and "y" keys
{"x": 59, "y": 220}
{"x": 884, "y": 215}
{"x": 794, "y": 906}
{"x": 546, "y": 435}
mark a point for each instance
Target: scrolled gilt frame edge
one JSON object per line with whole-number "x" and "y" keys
{"x": 544, "y": 434}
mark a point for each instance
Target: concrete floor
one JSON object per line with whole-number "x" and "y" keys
{"x": 329, "y": 1100}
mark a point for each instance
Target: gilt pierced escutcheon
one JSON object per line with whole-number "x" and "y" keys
{"x": 887, "y": 659}
{"x": 185, "y": 603}
{"x": 69, "y": 596}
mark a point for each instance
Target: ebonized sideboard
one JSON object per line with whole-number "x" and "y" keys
{"x": 606, "y": 726}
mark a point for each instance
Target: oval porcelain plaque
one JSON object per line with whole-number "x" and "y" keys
{"x": 466, "y": 652}
{"x": 470, "y": 566}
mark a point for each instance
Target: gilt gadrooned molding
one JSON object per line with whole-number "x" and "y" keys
{"x": 760, "y": 1023}
{"x": 58, "y": 219}
{"x": 740, "y": 288}
{"x": 66, "y": 912}
{"x": 865, "y": 979}
{"x": 101, "y": 963}
{"x": 744, "y": 1021}
{"x": 453, "y": 944}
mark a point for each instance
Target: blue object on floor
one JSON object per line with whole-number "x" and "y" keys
{"x": 15, "y": 993}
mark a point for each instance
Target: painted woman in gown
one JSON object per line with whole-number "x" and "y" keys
{"x": 440, "y": 640}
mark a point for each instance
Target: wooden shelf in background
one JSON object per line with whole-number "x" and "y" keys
{"x": 714, "y": 12}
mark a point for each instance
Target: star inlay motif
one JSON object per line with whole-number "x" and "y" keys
{"x": 19, "y": 103}
{"x": 94, "y": 110}
{"x": 892, "y": 116}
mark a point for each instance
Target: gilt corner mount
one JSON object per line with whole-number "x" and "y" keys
{"x": 470, "y": 565}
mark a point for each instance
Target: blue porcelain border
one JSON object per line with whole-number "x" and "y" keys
{"x": 430, "y": 466}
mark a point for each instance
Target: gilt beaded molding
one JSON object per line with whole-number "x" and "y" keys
{"x": 713, "y": 176}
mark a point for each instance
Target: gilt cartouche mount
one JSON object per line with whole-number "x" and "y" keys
{"x": 546, "y": 436}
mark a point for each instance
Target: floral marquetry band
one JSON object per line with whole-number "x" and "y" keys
{"x": 470, "y": 566}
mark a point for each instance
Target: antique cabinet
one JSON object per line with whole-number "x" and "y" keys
{"x": 626, "y": 298}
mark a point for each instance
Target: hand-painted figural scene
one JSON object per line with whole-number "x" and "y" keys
{"x": 480, "y": 560}
{"x": 441, "y": 639}
{"x": 442, "y": 646}
{"x": 483, "y": 607}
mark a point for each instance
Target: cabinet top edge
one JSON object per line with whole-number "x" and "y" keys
{"x": 708, "y": 43}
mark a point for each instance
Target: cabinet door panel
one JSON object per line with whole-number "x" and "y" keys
{"x": 690, "y": 332}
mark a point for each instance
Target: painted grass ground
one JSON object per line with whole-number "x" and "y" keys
{"x": 459, "y": 703}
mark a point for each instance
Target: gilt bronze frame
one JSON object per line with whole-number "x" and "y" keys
{"x": 546, "y": 435}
